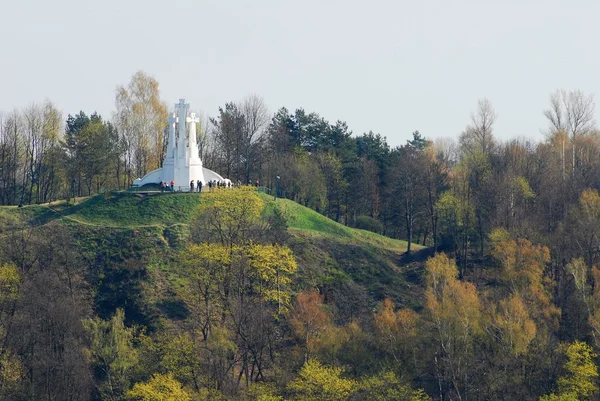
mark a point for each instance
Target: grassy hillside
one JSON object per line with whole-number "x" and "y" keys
{"x": 333, "y": 256}
{"x": 126, "y": 238}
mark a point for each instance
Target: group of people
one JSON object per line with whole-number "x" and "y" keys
{"x": 219, "y": 184}
{"x": 165, "y": 187}
{"x": 197, "y": 186}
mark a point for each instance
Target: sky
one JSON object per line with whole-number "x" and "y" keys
{"x": 391, "y": 67}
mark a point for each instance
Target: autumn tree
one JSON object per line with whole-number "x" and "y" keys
{"x": 455, "y": 312}
{"x": 397, "y": 331}
{"x": 309, "y": 319}
{"x": 522, "y": 271}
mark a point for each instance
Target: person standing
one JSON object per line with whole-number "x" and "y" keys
{"x": 199, "y": 185}
{"x": 172, "y": 186}
{"x": 192, "y": 186}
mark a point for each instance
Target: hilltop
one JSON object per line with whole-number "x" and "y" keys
{"x": 128, "y": 238}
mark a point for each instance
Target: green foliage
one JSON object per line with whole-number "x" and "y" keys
{"x": 369, "y": 223}
{"x": 112, "y": 354}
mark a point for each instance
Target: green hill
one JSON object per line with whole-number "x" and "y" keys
{"x": 127, "y": 240}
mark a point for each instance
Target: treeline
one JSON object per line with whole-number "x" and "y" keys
{"x": 446, "y": 194}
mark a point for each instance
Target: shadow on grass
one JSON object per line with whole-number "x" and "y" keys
{"x": 54, "y": 213}
{"x": 416, "y": 256}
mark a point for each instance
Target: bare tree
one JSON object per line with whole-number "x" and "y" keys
{"x": 479, "y": 134}
{"x": 572, "y": 113}
{"x": 256, "y": 119}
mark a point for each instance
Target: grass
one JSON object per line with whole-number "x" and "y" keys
{"x": 333, "y": 255}
{"x": 312, "y": 224}
{"x": 117, "y": 209}
{"x": 126, "y": 228}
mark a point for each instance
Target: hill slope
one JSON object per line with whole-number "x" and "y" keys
{"x": 125, "y": 239}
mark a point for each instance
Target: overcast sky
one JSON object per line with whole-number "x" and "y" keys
{"x": 387, "y": 66}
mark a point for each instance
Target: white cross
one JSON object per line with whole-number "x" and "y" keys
{"x": 192, "y": 118}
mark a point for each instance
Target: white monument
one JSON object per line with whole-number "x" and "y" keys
{"x": 182, "y": 162}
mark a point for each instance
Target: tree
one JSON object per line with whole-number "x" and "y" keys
{"x": 255, "y": 119}
{"x": 229, "y": 217}
{"x": 159, "y": 388}
{"x": 435, "y": 182}
{"x": 309, "y": 319}
{"x": 10, "y": 366}
{"x": 387, "y": 386}
{"x": 587, "y": 223}
{"x": 141, "y": 119}
{"x": 580, "y": 380}
{"x": 229, "y": 130}
{"x": 112, "y": 354}
{"x": 455, "y": 312}
{"x": 572, "y": 113}
{"x": 516, "y": 328}
{"x": 397, "y": 331}
{"x": 522, "y": 271}
{"x": 322, "y": 383}
{"x": 407, "y": 176}
{"x": 479, "y": 134}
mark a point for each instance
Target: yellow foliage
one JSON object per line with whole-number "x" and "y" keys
{"x": 158, "y": 388}
{"x": 582, "y": 372}
{"x": 453, "y": 305}
{"x": 589, "y": 204}
{"x": 387, "y": 386}
{"x": 580, "y": 381}
{"x": 499, "y": 235}
{"x": 321, "y": 383}
{"x": 333, "y": 338}
{"x": 9, "y": 284}
{"x": 274, "y": 266}
{"x": 518, "y": 330}
{"x": 394, "y": 327}
{"x": 309, "y": 318}
{"x": 522, "y": 270}
{"x": 263, "y": 392}
{"x": 231, "y": 214}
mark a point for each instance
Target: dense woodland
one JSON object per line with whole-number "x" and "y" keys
{"x": 510, "y": 284}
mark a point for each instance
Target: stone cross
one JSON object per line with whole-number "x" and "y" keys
{"x": 192, "y": 118}
{"x": 183, "y": 107}
{"x": 171, "y": 141}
